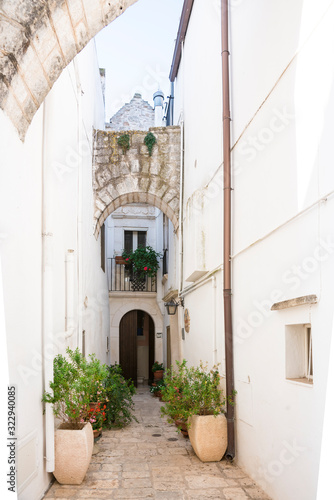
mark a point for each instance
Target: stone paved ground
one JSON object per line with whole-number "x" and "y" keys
{"x": 150, "y": 459}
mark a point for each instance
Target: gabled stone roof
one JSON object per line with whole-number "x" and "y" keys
{"x": 135, "y": 115}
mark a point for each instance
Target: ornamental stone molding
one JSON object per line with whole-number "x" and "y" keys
{"x": 38, "y": 39}
{"x": 135, "y": 177}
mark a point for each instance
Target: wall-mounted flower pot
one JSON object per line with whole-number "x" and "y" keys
{"x": 208, "y": 436}
{"x": 73, "y": 452}
{"x": 120, "y": 260}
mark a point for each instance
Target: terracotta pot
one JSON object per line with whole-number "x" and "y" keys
{"x": 120, "y": 260}
{"x": 182, "y": 425}
{"x": 97, "y": 432}
{"x": 208, "y": 436}
{"x": 158, "y": 375}
{"x": 73, "y": 452}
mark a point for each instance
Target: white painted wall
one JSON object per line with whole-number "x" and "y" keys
{"x": 200, "y": 75}
{"x": 70, "y": 113}
{"x": 282, "y": 127}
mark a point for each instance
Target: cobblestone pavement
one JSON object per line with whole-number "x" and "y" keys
{"x": 150, "y": 459}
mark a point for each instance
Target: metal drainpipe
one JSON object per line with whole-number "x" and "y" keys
{"x": 47, "y": 293}
{"x": 230, "y": 453}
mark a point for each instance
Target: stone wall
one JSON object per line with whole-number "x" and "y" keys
{"x": 135, "y": 115}
{"x": 136, "y": 177}
{"x": 38, "y": 39}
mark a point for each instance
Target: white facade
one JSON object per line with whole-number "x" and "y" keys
{"x": 139, "y": 217}
{"x": 282, "y": 112}
{"x": 54, "y": 287}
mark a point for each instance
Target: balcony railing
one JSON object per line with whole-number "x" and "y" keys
{"x": 122, "y": 279}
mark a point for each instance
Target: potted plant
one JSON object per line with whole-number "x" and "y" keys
{"x": 158, "y": 370}
{"x": 199, "y": 400}
{"x": 97, "y": 417}
{"x": 119, "y": 402}
{"x": 75, "y": 382}
{"x": 156, "y": 388}
{"x": 144, "y": 262}
{"x": 177, "y": 407}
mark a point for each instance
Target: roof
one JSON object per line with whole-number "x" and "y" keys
{"x": 184, "y": 22}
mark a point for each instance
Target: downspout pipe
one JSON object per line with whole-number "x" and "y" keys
{"x": 230, "y": 453}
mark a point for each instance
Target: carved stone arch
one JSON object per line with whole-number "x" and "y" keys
{"x": 140, "y": 304}
{"x": 119, "y": 307}
{"x": 38, "y": 39}
{"x": 150, "y": 199}
{"x": 120, "y": 178}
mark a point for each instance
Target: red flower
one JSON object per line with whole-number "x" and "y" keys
{"x": 127, "y": 258}
{"x": 145, "y": 268}
{"x": 150, "y": 269}
{"x": 104, "y": 407}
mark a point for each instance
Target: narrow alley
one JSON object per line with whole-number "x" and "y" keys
{"x": 149, "y": 459}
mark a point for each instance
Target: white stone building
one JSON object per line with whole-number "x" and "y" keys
{"x": 282, "y": 233}
{"x": 55, "y": 292}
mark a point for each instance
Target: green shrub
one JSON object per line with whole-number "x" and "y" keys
{"x": 119, "y": 392}
{"x": 192, "y": 391}
{"x": 76, "y": 383}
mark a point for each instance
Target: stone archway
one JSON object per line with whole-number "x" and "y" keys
{"x": 135, "y": 176}
{"x": 38, "y": 39}
{"x": 119, "y": 307}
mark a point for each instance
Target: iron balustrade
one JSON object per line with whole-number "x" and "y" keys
{"x": 122, "y": 279}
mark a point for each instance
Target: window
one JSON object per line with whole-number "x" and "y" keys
{"x": 134, "y": 240}
{"x": 103, "y": 248}
{"x": 298, "y": 353}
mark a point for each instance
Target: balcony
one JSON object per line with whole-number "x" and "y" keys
{"x": 122, "y": 279}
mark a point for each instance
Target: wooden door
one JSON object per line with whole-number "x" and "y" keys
{"x": 128, "y": 345}
{"x": 151, "y": 349}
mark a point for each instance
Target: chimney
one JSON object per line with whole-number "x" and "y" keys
{"x": 158, "y": 99}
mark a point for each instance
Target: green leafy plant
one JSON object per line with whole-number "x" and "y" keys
{"x": 176, "y": 380}
{"x": 144, "y": 260}
{"x": 193, "y": 391}
{"x": 76, "y": 383}
{"x": 149, "y": 141}
{"x": 119, "y": 402}
{"x": 157, "y": 366}
{"x": 124, "y": 142}
{"x": 157, "y": 386}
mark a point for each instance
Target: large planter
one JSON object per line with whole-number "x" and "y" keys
{"x": 73, "y": 452}
{"x": 208, "y": 436}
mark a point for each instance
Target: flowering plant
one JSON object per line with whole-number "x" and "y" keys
{"x": 144, "y": 260}
{"x": 97, "y": 415}
{"x": 76, "y": 383}
{"x": 192, "y": 391}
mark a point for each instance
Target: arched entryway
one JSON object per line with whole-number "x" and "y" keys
{"x": 136, "y": 346}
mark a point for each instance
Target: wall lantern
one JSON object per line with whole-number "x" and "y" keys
{"x": 172, "y": 306}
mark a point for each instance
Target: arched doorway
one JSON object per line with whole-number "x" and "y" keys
{"x": 136, "y": 346}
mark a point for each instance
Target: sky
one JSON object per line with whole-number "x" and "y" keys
{"x": 136, "y": 51}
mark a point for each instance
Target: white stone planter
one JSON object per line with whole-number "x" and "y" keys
{"x": 73, "y": 452}
{"x": 208, "y": 436}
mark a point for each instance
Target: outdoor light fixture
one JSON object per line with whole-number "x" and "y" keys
{"x": 172, "y": 306}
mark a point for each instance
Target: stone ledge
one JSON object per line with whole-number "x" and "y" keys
{"x": 298, "y": 301}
